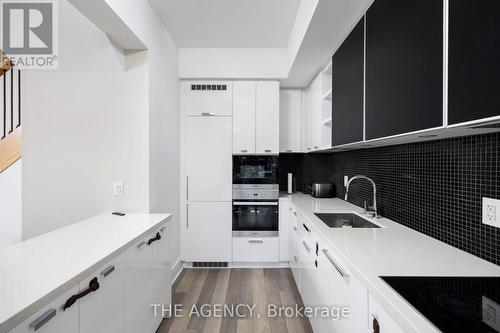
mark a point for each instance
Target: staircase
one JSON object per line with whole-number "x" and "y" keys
{"x": 10, "y": 113}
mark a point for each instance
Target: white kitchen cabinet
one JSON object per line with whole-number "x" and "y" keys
{"x": 52, "y": 318}
{"x": 208, "y": 231}
{"x": 284, "y": 229}
{"x": 334, "y": 286}
{"x": 128, "y": 282}
{"x": 267, "y": 117}
{"x": 256, "y": 249}
{"x": 316, "y": 108}
{"x": 293, "y": 250}
{"x": 378, "y": 316}
{"x": 200, "y": 97}
{"x": 103, "y": 311}
{"x": 306, "y": 266}
{"x": 162, "y": 277}
{"x": 290, "y": 121}
{"x": 256, "y": 117}
{"x": 244, "y": 117}
{"x": 208, "y": 158}
{"x": 139, "y": 287}
{"x": 306, "y": 121}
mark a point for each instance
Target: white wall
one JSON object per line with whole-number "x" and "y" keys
{"x": 163, "y": 110}
{"x": 248, "y": 63}
{"x": 10, "y": 204}
{"x": 258, "y": 63}
{"x": 84, "y": 126}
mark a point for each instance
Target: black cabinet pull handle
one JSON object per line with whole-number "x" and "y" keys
{"x": 305, "y": 227}
{"x": 154, "y": 239}
{"x": 376, "y": 325}
{"x": 93, "y": 286}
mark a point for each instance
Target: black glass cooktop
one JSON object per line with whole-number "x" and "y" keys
{"x": 453, "y": 304}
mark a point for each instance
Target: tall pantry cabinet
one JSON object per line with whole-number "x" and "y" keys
{"x": 206, "y": 172}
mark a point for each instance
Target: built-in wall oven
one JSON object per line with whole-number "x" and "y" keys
{"x": 255, "y": 196}
{"x": 255, "y": 210}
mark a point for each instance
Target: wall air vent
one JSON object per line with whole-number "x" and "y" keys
{"x": 212, "y": 264}
{"x": 208, "y": 87}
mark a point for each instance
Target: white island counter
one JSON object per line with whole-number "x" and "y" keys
{"x": 38, "y": 271}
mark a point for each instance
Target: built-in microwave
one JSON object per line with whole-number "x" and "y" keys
{"x": 255, "y": 169}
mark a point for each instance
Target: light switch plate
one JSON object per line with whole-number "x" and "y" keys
{"x": 118, "y": 189}
{"x": 491, "y": 313}
{"x": 491, "y": 212}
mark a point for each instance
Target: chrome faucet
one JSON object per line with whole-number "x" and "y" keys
{"x": 372, "y": 211}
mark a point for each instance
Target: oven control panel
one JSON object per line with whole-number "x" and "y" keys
{"x": 255, "y": 192}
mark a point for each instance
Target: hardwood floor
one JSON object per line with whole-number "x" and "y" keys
{"x": 230, "y": 287}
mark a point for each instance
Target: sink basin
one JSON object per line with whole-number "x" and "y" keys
{"x": 345, "y": 220}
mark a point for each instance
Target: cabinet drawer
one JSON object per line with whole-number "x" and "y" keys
{"x": 52, "y": 319}
{"x": 250, "y": 249}
{"x": 378, "y": 316}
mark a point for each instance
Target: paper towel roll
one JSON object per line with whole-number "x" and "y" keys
{"x": 290, "y": 183}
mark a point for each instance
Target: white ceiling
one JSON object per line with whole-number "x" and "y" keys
{"x": 228, "y": 23}
{"x": 330, "y": 25}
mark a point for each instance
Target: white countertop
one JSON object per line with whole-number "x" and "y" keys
{"x": 34, "y": 272}
{"x": 394, "y": 250}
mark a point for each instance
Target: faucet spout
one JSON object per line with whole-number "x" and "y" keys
{"x": 371, "y": 210}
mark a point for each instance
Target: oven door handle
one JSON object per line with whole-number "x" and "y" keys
{"x": 254, "y": 203}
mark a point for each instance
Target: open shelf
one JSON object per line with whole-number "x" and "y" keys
{"x": 328, "y": 95}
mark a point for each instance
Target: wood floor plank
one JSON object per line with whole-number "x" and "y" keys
{"x": 245, "y": 326}
{"x": 205, "y": 297}
{"x": 213, "y": 324}
{"x": 180, "y": 324}
{"x": 230, "y": 325}
{"x": 261, "y": 321}
{"x": 278, "y": 324}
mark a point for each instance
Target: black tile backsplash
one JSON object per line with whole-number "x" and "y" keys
{"x": 434, "y": 187}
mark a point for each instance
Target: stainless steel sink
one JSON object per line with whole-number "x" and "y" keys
{"x": 345, "y": 220}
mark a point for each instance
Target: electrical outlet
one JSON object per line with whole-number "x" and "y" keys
{"x": 491, "y": 211}
{"x": 491, "y": 313}
{"x": 118, "y": 189}
{"x": 346, "y": 180}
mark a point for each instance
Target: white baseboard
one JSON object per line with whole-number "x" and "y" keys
{"x": 244, "y": 265}
{"x": 258, "y": 265}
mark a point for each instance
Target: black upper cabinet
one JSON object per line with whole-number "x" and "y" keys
{"x": 404, "y": 67}
{"x": 474, "y": 60}
{"x": 347, "y": 89}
